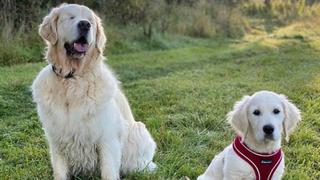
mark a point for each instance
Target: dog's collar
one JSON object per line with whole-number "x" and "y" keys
{"x": 69, "y": 75}
{"x": 263, "y": 164}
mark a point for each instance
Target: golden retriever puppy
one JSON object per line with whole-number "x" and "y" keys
{"x": 256, "y": 152}
{"x": 85, "y": 115}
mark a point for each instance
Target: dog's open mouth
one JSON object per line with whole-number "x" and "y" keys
{"x": 78, "y": 48}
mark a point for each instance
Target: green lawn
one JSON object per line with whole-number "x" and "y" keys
{"x": 183, "y": 95}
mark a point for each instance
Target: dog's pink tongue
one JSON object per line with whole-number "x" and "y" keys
{"x": 80, "y": 47}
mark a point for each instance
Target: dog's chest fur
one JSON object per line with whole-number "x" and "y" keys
{"x": 73, "y": 114}
{"x": 79, "y": 146}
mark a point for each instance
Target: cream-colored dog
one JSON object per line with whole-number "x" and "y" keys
{"x": 85, "y": 115}
{"x": 259, "y": 121}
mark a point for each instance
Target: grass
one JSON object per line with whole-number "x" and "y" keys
{"x": 183, "y": 95}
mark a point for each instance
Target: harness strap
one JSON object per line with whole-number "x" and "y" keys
{"x": 263, "y": 164}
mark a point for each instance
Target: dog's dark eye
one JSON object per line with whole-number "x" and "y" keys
{"x": 276, "y": 111}
{"x": 72, "y": 17}
{"x": 256, "y": 112}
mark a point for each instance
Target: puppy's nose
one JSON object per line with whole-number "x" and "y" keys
{"x": 84, "y": 26}
{"x": 268, "y": 129}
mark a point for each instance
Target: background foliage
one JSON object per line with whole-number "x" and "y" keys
{"x": 143, "y": 24}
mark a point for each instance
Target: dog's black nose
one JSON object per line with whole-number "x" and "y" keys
{"x": 84, "y": 26}
{"x": 268, "y": 129}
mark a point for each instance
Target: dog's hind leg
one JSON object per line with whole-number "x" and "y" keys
{"x": 139, "y": 149}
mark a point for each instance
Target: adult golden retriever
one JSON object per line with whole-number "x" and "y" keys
{"x": 85, "y": 115}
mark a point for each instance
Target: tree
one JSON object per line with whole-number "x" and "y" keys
{"x": 267, "y": 3}
{"x": 151, "y": 12}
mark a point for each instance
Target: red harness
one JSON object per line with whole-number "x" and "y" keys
{"x": 264, "y": 165}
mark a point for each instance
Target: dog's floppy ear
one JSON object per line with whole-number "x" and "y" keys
{"x": 238, "y": 117}
{"x": 292, "y": 116}
{"x": 48, "y": 27}
{"x": 100, "y": 36}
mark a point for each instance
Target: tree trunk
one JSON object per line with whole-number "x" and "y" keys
{"x": 147, "y": 30}
{"x": 267, "y": 3}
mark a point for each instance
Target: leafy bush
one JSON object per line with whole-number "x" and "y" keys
{"x": 135, "y": 25}
{"x": 230, "y": 21}
{"x": 207, "y": 19}
{"x": 17, "y": 51}
{"x": 188, "y": 21}
{"x": 282, "y": 11}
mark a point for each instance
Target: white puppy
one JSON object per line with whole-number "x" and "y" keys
{"x": 256, "y": 152}
{"x": 86, "y": 117}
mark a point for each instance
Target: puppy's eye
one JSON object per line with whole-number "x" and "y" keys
{"x": 276, "y": 111}
{"x": 256, "y": 112}
{"x": 72, "y": 17}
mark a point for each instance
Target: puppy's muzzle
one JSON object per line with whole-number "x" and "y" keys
{"x": 268, "y": 131}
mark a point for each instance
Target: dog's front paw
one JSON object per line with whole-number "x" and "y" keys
{"x": 110, "y": 177}
{"x": 59, "y": 176}
{"x": 151, "y": 167}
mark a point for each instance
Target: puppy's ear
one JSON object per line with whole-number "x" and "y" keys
{"x": 292, "y": 116}
{"x": 100, "y": 36}
{"x": 48, "y": 27}
{"x": 238, "y": 117}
